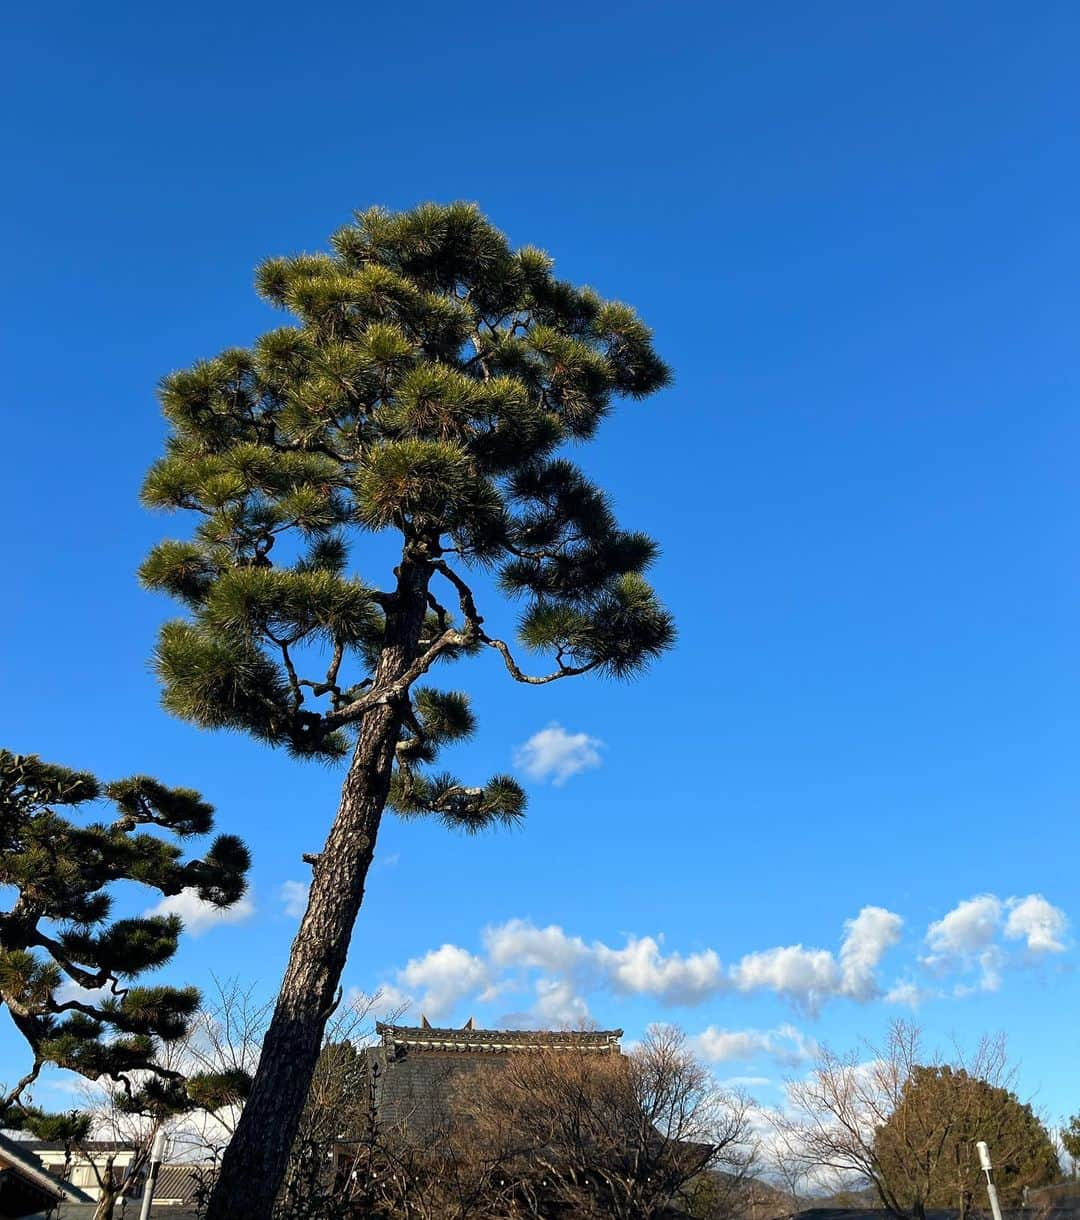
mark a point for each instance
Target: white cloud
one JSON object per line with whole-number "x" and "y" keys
{"x": 443, "y": 977}
{"x": 641, "y": 968}
{"x": 966, "y": 940}
{"x": 389, "y": 1002}
{"x": 907, "y": 993}
{"x": 810, "y": 976}
{"x": 991, "y": 962}
{"x": 805, "y": 976}
{"x": 569, "y": 967}
{"x": 70, "y": 990}
{"x": 520, "y": 943}
{"x": 199, "y": 916}
{"x": 786, "y": 1044}
{"x": 1035, "y": 920}
{"x": 564, "y": 970}
{"x": 724, "y": 1045}
{"x": 294, "y": 896}
{"x": 558, "y": 1006}
{"x": 968, "y": 928}
{"x": 555, "y": 754}
{"x": 873, "y": 931}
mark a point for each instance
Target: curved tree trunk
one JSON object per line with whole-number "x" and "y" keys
{"x": 254, "y": 1164}
{"x": 108, "y": 1187}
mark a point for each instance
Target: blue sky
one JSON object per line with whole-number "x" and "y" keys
{"x": 853, "y": 229}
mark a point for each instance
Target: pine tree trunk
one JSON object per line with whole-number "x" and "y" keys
{"x": 256, "y": 1159}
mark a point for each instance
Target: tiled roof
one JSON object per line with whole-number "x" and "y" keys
{"x": 17, "y": 1156}
{"x": 178, "y": 1182}
{"x": 428, "y": 1038}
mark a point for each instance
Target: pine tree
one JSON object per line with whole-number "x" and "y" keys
{"x": 66, "y": 970}
{"x": 926, "y": 1148}
{"x": 426, "y": 389}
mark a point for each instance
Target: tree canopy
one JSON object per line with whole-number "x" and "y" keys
{"x": 431, "y": 379}
{"x": 68, "y": 971}
{"x": 907, "y": 1124}
{"x": 947, "y": 1109}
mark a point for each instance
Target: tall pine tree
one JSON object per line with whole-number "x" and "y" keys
{"x": 429, "y": 382}
{"x": 66, "y": 970}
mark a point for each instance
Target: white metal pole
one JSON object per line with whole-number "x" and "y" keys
{"x": 157, "y": 1155}
{"x": 987, "y": 1168}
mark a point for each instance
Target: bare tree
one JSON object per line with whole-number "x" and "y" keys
{"x": 224, "y": 1043}
{"x": 624, "y": 1136}
{"x": 785, "y": 1164}
{"x": 223, "y": 1047}
{"x": 114, "y": 1127}
{"x": 836, "y": 1111}
{"x": 428, "y": 1165}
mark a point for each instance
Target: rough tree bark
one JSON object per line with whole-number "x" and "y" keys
{"x": 256, "y": 1158}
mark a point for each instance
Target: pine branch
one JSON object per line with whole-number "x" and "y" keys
{"x": 394, "y": 692}
{"x": 515, "y": 671}
{"x": 474, "y": 621}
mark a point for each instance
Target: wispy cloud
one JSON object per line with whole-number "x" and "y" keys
{"x": 907, "y": 993}
{"x": 556, "y": 755}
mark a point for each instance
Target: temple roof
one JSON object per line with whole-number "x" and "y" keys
{"x": 428, "y": 1038}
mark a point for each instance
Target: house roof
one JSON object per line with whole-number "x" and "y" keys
{"x": 427, "y": 1038}
{"x": 421, "y": 1073}
{"x": 17, "y": 1157}
{"x": 178, "y": 1182}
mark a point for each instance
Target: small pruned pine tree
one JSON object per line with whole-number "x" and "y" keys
{"x": 424, "y": 390}
{"x": 66, "y": 969}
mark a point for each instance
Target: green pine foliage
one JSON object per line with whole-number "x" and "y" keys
{"x": 66, "y": 970}
{"x": 926, "y": 1148}
{"x": 427, "y": 385}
